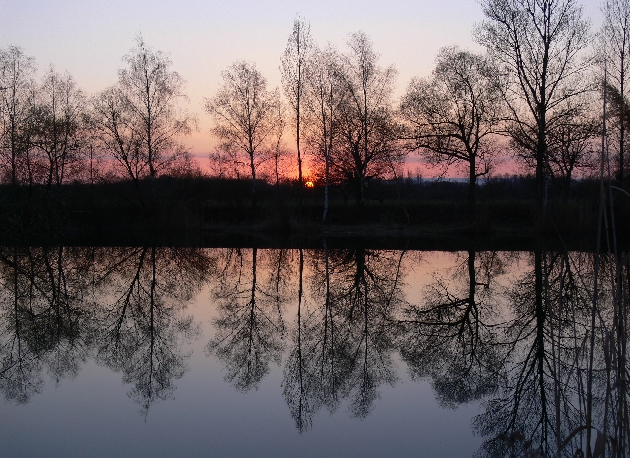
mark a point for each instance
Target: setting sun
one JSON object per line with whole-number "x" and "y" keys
{"x": 309, "y": 184}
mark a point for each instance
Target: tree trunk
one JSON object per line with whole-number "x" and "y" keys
{"x": 253, "y": 168}
{"x": 622, "y": 121}
{"x": 325, "y": 215}
{"x": 541, "y": 150}
{"x": 297, "y": 141}
{"x": 360, "y": 186}
{"x": 13, "y": 151}
{"x": 472, "y": 185}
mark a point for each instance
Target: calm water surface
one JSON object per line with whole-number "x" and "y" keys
{"x": 252, "y": 352}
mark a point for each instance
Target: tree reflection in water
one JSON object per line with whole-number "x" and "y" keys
{"x": 364, "y": 296}
{"x": 538, "y": 339}
{"x": 549, "y": 368}
{"x": 553, "y": 394}
{"x": 343, "y": 345}
{"x": 452, "y": 337}
{"x": 57, "y": 311}
{"x": 298, "y": 385}
{"x": 142, "y": 332}
{"x": 250, "y": 327}
{"x": 46, "y": 321}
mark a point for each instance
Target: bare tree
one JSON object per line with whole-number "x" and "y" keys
{"x": 324, "y": 98}
{"x": 58, "y": 126}
{"x": 573, "y": 143}
{"x": 16, "y": 94}
{"x": 279, "y": 152}
{"x": 138, "y": 121}
{"x": 150, "y": 92}
{"x": 452, "y": 115}
{"x": 614, "y": 49}
{"x": 114, "y": 133}
{"x": 572, "y": 140}
{"x": 226, "y": 163}
{"x": 367, "y": 126}
{"x": 244, "y": 113}
{"x": 293, "y": 69}
{"x": 537, "y": 43}
{"x": 618, "y": 106}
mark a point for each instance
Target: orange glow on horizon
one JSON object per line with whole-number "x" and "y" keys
{"x": 309, "y": 184}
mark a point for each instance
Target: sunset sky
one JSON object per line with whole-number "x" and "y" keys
{"x": 89, "y": 37}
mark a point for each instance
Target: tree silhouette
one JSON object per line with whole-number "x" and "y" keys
{"x": 367, "y": 129}
{"x": 16, "y": 98}
{"x": 139, "y": 121}
{"x": 58, "y": 129}
{"x": 249, "y": 330}
{"x": 454, "y": 114}
{"x": 294, "y": 78}
{"x": 143, "y": 330}
{"x": 244, "y": 113}
{"x": 614, "y": 39}
{"x": 325, "y": 95}
{"x": 537, "y": 44}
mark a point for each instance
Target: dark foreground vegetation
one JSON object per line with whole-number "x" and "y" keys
{"x": 201, "y": 210}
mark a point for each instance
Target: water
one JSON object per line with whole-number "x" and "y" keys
{"x": 252, "y": 352}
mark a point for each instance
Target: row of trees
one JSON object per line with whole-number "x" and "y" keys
{"x": 52, "y": 132}
{"x": 340, "y": 106}
{"x": 536, "y": 93}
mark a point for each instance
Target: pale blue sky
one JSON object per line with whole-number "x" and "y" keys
{"x": 89, "y": 37}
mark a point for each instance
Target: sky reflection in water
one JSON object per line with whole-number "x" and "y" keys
{"x": 214, "y": 352}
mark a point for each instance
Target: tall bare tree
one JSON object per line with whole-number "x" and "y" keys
{"x": 322, "y": 107}
{"x": 293, "y": 69}
{"x": 279, "y": 152}
{"x": 113, "y": 129}
{"x": 574, "y": 143}
{"x": 58, "y": 126}
{"x": 453, "y": 114}
{"x": 16, "y": 98}
{"x": 614, "y": 50}
{"x": 244, "y": 113}
{"x": 367, "y": 128}
{"x": 151, "y": 91}
{"x": 139, "y": 121}
{"x": 537, "y": 43}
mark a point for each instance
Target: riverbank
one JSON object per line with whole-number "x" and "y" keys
{"x": 210, "y": 213}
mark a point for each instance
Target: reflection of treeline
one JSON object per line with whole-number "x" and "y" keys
{"x": 122, "y": 307}
{"x": 544, "y": 351}
{"x": 538, "y": 338}
{"x": 522, "y": 333}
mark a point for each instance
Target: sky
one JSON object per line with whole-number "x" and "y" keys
{"x": 88, "y": 38}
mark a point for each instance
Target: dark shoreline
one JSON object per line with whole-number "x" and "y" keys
{"x": 344, "y": 238}
{"x": 220, "y": 213}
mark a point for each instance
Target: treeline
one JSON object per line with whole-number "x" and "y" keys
{"x": 54, "y": 133}
{"x": 535, "y": 97}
